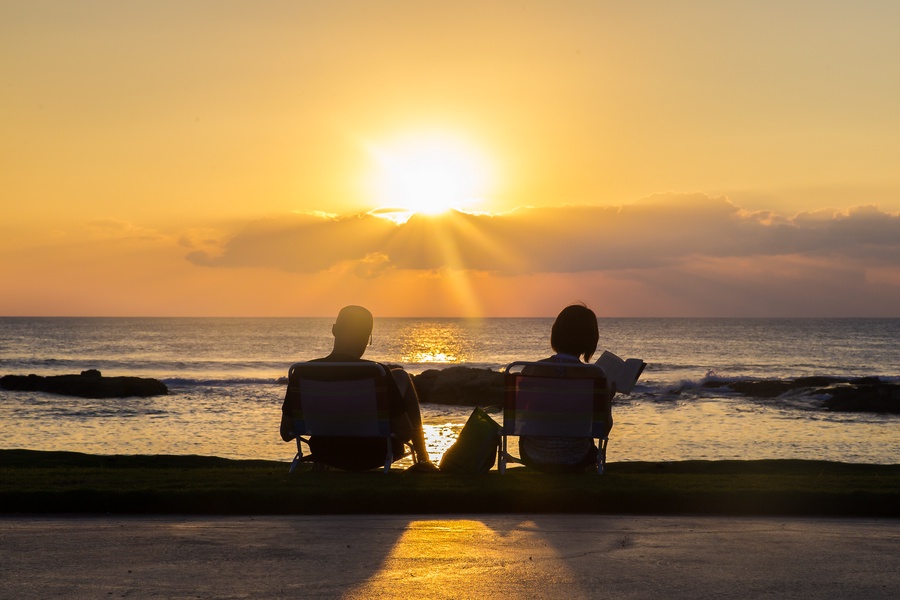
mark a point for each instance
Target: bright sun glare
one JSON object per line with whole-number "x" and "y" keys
{"x": 429, "y": 175}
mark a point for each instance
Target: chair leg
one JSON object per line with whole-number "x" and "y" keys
{"x": 298, "y": 458}
{"x": 601, "y": 456}
{"x": 388, "y": 456}
{"x": 501, "y": 455}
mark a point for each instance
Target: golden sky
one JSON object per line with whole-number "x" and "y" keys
{"x": 697, "y": 158}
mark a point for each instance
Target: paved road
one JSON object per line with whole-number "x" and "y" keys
{"x": 448, "y": 557}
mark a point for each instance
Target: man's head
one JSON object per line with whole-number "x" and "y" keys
{"x": 352, "y": 330}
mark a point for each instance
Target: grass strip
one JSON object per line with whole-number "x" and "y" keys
{"x": 68, "y": 482}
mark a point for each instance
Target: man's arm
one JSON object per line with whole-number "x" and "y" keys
{"x": 287, "y": 426}
{"x": 412, "y": 423}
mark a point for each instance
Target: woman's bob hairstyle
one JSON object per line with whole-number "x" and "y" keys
{"x": 575, "y": 332}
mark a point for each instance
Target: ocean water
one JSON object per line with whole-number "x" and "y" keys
{"x": 226, "y": 382}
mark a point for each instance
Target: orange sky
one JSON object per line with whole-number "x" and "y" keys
{"x": 648, "y": 158}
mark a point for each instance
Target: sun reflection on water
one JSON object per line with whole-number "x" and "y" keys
{"x": 439, "y": 438}
{"x": 442, "y": 343}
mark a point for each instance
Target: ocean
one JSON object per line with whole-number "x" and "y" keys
{"x": 226, "y": 378}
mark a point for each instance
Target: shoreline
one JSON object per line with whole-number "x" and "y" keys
{"x": 39, "y": 482}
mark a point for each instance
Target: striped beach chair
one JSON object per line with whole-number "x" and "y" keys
{"x": 339, "y": 399}
{"x": 555, "y": 400}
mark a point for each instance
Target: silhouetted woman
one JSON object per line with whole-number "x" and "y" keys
{"x": 574, "y": 338}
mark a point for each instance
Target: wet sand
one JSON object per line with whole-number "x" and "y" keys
{"x": 466, "y": 556}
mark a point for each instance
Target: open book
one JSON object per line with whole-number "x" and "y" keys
{"x": 624, "y": 373}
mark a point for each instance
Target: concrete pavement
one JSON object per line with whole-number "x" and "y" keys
{"x": 510, "y": 556}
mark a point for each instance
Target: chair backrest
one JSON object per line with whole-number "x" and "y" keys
{"x": 560, "y": 400}
{"x": 339, "y": 399}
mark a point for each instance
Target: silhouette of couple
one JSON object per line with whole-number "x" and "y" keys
{"x": 574, "y": 337}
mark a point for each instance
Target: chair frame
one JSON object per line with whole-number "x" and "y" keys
{"x": 548, "y": 395}
{"x": 328, "y": 393}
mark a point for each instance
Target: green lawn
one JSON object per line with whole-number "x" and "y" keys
{"x": 66, "y": 482}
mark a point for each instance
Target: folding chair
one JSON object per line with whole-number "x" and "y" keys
{"x": 558, "y": 400}
{"x": 339, "y": 399}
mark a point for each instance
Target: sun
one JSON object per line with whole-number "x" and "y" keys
{"x": 428, "y": 174}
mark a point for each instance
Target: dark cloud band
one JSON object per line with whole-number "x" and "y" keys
{"x": 659, "y": 230}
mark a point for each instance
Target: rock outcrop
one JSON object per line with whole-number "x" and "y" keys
{"x": 865, "y": 396}
{"x": 861, "y": 394}
{"x": 460, "y": 386}
{"x": 766, "y": 388}
{"x": 89, "y": 384}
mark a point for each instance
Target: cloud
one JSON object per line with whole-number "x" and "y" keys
{"x": 372, "y": 266}
{"x": 114, "y": 229}
{"x": 304, "y": 243}
{"x": 662, "y": 230}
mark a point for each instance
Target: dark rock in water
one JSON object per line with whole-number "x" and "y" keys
{"x": 764, "y": 388}
{"x": 460, "y": 386}
{"x": 863, "y": 394}
{"x": 90, "y": 384}
{"x": 866, "y": 396}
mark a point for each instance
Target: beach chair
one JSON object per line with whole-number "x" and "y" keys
{"x": 339, "y": 399}
{"x": 559, "y": 400}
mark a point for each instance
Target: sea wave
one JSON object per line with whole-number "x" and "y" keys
{"x": 842, "y": 394}
{"x": 159, "y": 369}
{"x": 226, "y": 382}
{"x": 661, "y": 383}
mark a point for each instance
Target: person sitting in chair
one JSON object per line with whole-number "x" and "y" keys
{"x": 352, "y": 332}
{"x": 574, "y": 336}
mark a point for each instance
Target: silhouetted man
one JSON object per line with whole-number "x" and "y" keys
{"x": 352, "y": 333}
